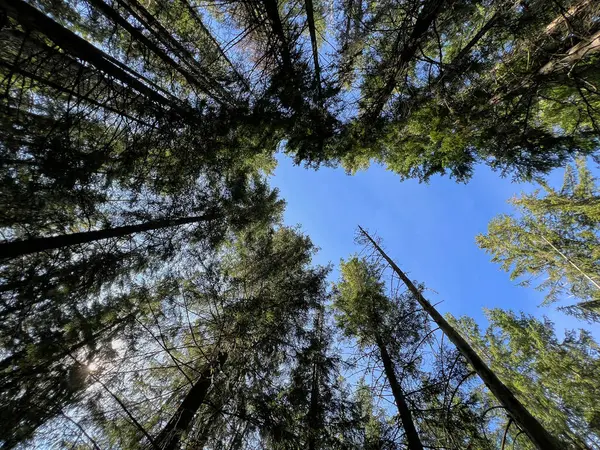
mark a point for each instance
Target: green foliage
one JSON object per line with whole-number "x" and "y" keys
{"x": 117, "y": 113}
{"x": 445, "y": 403}
{"x": 361, "y": 302}
{"x": 553, "y": 377}
{"x": 556, "y": 235}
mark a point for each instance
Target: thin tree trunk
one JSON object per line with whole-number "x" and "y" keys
{"x": 314, "y": 419}
{"x": 34, "y": 245}
{"x": 275, "y": 19}
{"x": 313, "y": 410}
{"x": 412, "y": 436}
{"x": 143, "y": 16}
{"x": 169, "y": 437}
{"x": 537, "y": 433}
{"x": 310, "y": 18}
{"x": 114, "y": 15}
{"x": 567, "y": 259}
{"x": 199, "y": 21}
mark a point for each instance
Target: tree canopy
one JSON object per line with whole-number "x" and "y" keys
{"x": 151, "y": 295}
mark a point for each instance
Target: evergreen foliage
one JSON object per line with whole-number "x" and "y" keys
{"x": 553, "y": 376}
{"x": 150, "y": 295}
{"x": 556, "y": 235}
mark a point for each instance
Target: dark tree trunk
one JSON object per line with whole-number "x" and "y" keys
{"x": 32, "y": 18}
{"x": 275, "y": 19}
{"x": 34, "y": 245}
{"x": 206, "y": 31}
{"x": 402, "y": 56}
{"x": 412, "y": 436}
{"x": 143, "y": 16}
{"x": 537, "y": 433}
{"x": 310, "y": 18}
{"x": 313, "y": 419}
{"x": 169, "y": 437}
{"x": 114, "y": 15}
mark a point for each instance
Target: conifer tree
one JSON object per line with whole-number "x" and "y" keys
{"x": 554, "y": 376}
{"x": 365, "y": 313}
{"x": 244, "y": 307}
{"x": 538, "y": 435}
{"x": 556, "y": 234}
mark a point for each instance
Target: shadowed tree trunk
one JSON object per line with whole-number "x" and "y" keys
{"x": 535, "y": 431}
{"x": 34, "y": 245}
{"x": 403, "y": 55}
{"x": 32, "y": 18}
{"x": 315, "y": 418}
{"x": 169, "y": 437}
{"x": 412, "y": 436}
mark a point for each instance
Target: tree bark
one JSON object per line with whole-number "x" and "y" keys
{"x": 34, "y": 245}
{"x": 143, "y": 16}
{"x": 114, "y": 15}
{"x": 535, "y": 431}
{"x": 275, "y": 19}
{"x": 169, "y": 437}
{"x": 412, "y": 436}
{"x": 583, "y": 49}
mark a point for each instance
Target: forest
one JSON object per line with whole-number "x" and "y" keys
{"x": 152, "y": 294}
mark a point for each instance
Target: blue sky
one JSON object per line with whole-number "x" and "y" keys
{"x": 428, "y": 229}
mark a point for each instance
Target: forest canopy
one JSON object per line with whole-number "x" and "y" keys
{"x": 151, "y": 294}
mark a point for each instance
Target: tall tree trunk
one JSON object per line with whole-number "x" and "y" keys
{"x": 412, "y": 436}
{"x": 135, "y": 33}
{"x": 174, "y": 46}
{"x": 537, "y": 433}
{"x": 32, "y": 18}
{"x": 34, "y": 245}
{"x": 310, "y": 19}
{"x": 206, "y": 31}
{"x": 169, "y": 437}
{"x": 314, "y": 417}
{"x": 313, "y": 422}
{"x": 273, "y": 15}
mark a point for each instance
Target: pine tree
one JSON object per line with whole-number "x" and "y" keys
{"x": 149, "y": 296}
{"x": 482, "y": 87}
{"x": 244, "y": 308}
{"x": 314, "y": 403}
{"x": 71, "y": 301}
